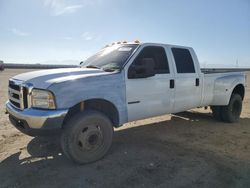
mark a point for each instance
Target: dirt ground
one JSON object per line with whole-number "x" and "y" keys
{"x": 188, "y": 149}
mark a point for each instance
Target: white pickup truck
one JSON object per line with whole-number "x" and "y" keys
{"x": 121, "y": 83}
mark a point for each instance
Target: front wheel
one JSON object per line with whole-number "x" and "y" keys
{"x": 87, "y": 136}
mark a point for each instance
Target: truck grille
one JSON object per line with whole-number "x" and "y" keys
{"x": 18, "y": 95}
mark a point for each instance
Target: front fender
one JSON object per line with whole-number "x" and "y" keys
{"x": 108, "y": 87}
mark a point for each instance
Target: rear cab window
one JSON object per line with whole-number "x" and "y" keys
{"x": 183, "y": 60}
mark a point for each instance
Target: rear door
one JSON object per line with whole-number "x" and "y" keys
{"x": 188, "y": 88}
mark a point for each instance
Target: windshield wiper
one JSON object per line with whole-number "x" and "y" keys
{"x": 93, "y": 66}
{"x": 111, "y": 69}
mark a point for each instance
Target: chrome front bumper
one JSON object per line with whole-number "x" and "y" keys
{"x": 36, "y": 118}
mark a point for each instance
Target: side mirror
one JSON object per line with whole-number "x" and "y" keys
{"x": 144, "y": 69}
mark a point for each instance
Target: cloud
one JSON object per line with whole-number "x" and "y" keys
{"x": 59, "y": 7}
{"x": 17, "y": 32}
{"x": 87, "y": 36}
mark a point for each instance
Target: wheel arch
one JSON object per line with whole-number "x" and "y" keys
{"x": 101, "y": 105}
{"x": 239, "y": 89}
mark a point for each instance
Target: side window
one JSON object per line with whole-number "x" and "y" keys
{"x": 183, "y": 60}
{"x": 158, "y": 55}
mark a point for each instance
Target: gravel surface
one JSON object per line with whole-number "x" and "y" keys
{"x": 188, "y": 149}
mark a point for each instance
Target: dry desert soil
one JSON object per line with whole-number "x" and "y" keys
{"x": 188, "y": 149}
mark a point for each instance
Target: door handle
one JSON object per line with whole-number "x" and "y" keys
{"x": 197, "y": 82}
{"x": 171, "y": 85}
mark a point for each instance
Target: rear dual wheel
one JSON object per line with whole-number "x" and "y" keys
{"x": 216, "y": 111}
{"x": 231, "y": 112}
{"x": 87, "y": 136}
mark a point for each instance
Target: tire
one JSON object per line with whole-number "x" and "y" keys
{"x": 87, "y": 137}
{"x": 216, "y": 111}
{"x": 231, "y": 112}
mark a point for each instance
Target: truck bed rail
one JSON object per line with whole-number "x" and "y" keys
{"x": 223, "y": 70}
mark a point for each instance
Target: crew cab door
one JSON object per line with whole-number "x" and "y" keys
{"x": 148, "y": 92}
{"x": 188, "y": 86}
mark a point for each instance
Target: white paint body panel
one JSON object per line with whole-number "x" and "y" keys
{"x": 218, "y": 87}
{"x": 44, "y": 78}
{"x": 156, "y": 98}
{"x": 153, "y": 94}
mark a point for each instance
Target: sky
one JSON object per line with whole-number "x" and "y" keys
{"x": 68, "y": 31}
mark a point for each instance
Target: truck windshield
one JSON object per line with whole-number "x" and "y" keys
{"x": 110, "y": 58}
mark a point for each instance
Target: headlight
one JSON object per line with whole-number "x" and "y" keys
{"x": 42, "y": 99}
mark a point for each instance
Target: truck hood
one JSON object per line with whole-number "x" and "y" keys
{"x": 44, "y": 78}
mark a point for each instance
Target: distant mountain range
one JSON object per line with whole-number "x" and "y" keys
{"x": 203, "y": 65}
{"x": 64, "y": 62}
{"x": 74, "y": 63}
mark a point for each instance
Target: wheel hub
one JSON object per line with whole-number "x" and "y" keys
{"x": 90, "y": 138}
